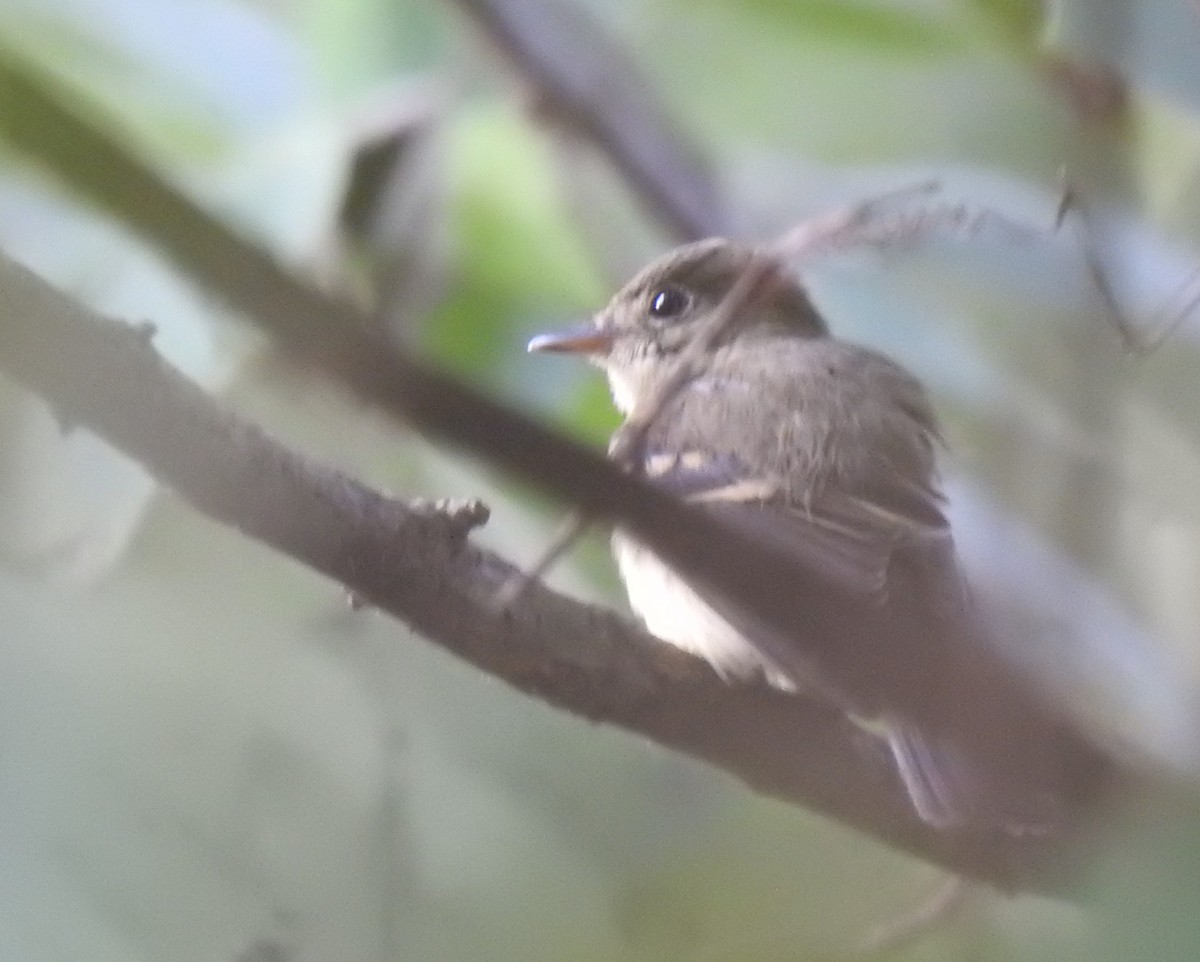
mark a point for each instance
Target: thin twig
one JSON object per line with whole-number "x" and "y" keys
{"x": 912, "y": 926}
{"x": 893, "y": 935}
{"x": 568, "y": 533}
{"x": 842, "y": 228}
{"x": 1137, "y": 339}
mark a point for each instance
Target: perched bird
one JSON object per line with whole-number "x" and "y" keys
{"x": 833, "y": 446}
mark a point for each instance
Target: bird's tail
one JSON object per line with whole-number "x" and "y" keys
{"x": 949, "y": 790}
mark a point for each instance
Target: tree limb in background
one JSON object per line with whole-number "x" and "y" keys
{"x": 417, "y": 564}
{"x": 581, "y": 78}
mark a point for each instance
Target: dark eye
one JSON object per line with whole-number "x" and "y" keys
{"x": 668, "y": 301}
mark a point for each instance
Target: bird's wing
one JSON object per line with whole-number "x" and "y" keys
{"x": 857, "y": 540}
{"x": 851, "y": 538}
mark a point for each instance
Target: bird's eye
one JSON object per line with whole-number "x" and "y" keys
{"x": 668, "y": 301}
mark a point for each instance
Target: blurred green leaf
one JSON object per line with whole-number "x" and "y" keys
{"x": 876, "y": 27}
{"x": 1019, "y": 22}
{"x": 591, "y": 412}
{"x": 520, "y": 265}
{"x": 367, "y": 42}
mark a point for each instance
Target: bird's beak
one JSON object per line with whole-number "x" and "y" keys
{"x": 585, "y": 339}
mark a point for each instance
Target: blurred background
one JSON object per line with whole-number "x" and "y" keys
{"x": 206, "y": 755}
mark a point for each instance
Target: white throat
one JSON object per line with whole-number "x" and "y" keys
{"x": 628, "y": 382}
{"x": 624, "y": 390}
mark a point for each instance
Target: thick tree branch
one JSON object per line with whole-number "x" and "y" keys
{"x": 416, "y": 564}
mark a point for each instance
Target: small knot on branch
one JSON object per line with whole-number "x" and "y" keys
{"x": 461, "y": 515}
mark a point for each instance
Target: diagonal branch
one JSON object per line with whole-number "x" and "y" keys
{"x": 416, "y": 564}
{"x": 584, "y": 81}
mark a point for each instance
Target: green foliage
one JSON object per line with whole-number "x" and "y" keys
{"x": 1019, "y": 22}
{"x": 881, "y": 29}
{"x": 517, "y": 262}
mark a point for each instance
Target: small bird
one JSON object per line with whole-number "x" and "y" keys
{"x": 830, "y": 444}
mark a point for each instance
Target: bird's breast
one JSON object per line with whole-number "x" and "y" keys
{"x": 672, "y": 611}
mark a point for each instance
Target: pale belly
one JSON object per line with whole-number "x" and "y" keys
{"x": 673, "y": 612}
{"x": 676, "y": 614}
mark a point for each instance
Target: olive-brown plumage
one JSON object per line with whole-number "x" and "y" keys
{"x": 826, "y": 443}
